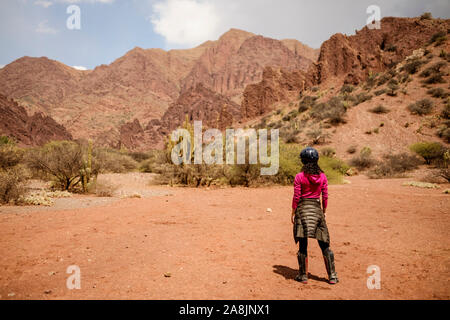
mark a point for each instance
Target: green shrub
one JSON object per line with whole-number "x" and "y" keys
{"x": 430, "y": 151}
{"x": 380, "y": 109}
{"x": 290, "y": 166}
{"x": 422, "y": 107}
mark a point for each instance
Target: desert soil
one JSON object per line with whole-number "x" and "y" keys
{"x": 221, "y": 243}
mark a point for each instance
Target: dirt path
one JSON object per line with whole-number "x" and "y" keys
{"x": 222, "y": 244}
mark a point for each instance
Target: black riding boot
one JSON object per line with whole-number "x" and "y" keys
{"x": 302, "y": 268}
{"x": 328, "y": 258}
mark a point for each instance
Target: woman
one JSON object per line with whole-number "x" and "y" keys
{"x": 307, "y": 215}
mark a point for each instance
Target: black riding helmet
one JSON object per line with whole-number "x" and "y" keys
{"x": 309, "y": 155}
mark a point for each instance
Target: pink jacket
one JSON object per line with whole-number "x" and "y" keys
{"x": 310, "y": 186}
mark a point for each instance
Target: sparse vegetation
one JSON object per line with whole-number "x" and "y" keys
{"x": 333, "y": 111}
{"x": 429, "y": 151}
{"x": 422, "y": 107}
{"x": 12, "y": 173}
{"x": 438, "y": 37}
{"x": 380, "y": 109}
{"x": 352, "y": 149}
{"x": 393, "y": 87}
{"x": 437, "y": 93}
{"x": 364, "y": 160}
{"x": 347, "y": 88}
{"x": 362, "y": 97}
{"x": 413, "y": 66}
{"x": 395, "y": 165}
{"x": 380, "y": 92}
{"x": 328, "y": 152}
{"x": 426, "y": 16}
{"x": 306, "y": 103}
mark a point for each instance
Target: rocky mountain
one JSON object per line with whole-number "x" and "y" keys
{"x": 28, "y": 130}
{"x": 139, "y": 98}
{"x": 346, "y": 59}
{"x": 144, "y": 83}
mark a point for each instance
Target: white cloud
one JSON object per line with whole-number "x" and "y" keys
{"x": 43, "y": 3}
{"x": 185, "y": 22}
{"x": 89, "y": 1}
{"x": 79, "y": 68}
{"x": 2, "y": 66}
{"x": 44, "y": 28}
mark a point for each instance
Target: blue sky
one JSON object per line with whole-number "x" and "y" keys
{"x": 110, "y": 28}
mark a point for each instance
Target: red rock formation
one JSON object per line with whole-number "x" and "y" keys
{"x": 351, "y": 58}
{"x": 277, "y": 85}
{"x": 238, "y": 59}
{"x": 28, "y": 131}
{"x": 345, "y": 59}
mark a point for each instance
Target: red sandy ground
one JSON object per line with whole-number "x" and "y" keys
{"x": 222, "y": 244}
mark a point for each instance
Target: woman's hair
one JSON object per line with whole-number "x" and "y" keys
{"x": 312, "y": 168}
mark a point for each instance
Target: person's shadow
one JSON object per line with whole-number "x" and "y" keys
{"x": 290, "y": 274}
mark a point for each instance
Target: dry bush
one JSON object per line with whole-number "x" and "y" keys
{"x": 328, "y": 152}
{"x": 104, "y": 188}
{"x": 12, "y": 175}
{"x": 426, "y": 16}
{"x": 364, "y": 160}
{"x": 113, "y": 161}
{"x": 444, "y": 131}
{"x": 380, "y": 109}
{"x": 333, "y": 111}
{"x": 362, "y": 97}
{"x": 347, "y": 88}
{"x": 317, "y": 136}
{"x": 352, "y": 149}
{"x": 380, "y": 92}
{"x": 438, "y": 93}
{"x": 62, "y": 160}
{"x": 438, "y": 36}
{"x": 12, "y": 184}
{"x": 395, "y": 165}
{"x": 422, "y": 107}
{"x": 413, "y": 66}
{"x": 306, "y": 103}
